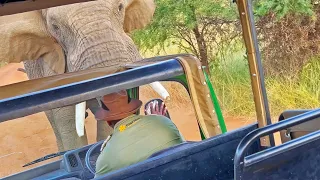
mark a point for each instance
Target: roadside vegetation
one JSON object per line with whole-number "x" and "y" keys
{"x": 2, "y": 64}
{"x": 289, "y": 35}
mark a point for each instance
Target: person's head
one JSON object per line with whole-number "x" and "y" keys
{"x": 117, "y": 106}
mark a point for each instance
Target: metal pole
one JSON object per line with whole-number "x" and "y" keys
{"x": 14, "y": 7}
{"x": 255, "y": 67}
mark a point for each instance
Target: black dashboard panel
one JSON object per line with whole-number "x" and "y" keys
{"x": 72, "y": 165}
{"x": 74, "y": 162}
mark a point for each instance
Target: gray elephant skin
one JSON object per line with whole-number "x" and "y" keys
{"x": 73, "y": 38}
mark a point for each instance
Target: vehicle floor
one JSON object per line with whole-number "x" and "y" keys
{"x": 28, "y": 138}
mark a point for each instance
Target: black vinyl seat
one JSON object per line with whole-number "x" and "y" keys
{"x": 208, "y": 159}
{"x": 298, "y": 130}
{"x": 175, "y": 148}
{"x": 296, "y": 159}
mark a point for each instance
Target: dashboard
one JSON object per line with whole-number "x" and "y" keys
{"x": 74, "y": 161}
{"x": 71, "y": 166}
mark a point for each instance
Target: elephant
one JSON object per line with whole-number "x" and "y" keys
{"x": 72, "y": 38}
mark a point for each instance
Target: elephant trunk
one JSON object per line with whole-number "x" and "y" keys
{"x": 99, "y": 45}
{"x": 100, "y": 42}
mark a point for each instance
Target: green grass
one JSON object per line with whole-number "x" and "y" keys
{"x": 2, "y": 64}
{"x": 284, "y": 94}
{"x": 231, "y": 81}
{"x": 157, "y": 51}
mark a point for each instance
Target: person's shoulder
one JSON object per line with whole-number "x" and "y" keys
{"x": 155, "y": 117}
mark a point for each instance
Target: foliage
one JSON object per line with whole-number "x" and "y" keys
{"x": 283, "y": 7}
{"x": 288, "y": 33}
{"x": 195, "y": 26}
{"x": 2, "y": 64}
{"x": 288, "y": 44}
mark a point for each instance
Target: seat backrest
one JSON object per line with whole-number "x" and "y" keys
{"x": 208, "y": 159}
{"x": 294, "y": 160}
{"x": 298, "y": 130}
{"x": 176, "y": 148}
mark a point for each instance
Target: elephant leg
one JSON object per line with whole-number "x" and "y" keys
{"x": 50, "y": 117}
{"x": 103, "y": 129}
{"x": 35, "y": 70}
{"x": 64, "y": 120}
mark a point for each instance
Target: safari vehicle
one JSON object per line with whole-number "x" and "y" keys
{"x": 245, "y": 153}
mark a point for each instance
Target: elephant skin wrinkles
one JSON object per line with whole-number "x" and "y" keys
{"x": 72, "y": 38}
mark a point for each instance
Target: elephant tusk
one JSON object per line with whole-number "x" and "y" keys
{"x": 157, "y": 86}
{"x": 80, "y": 117}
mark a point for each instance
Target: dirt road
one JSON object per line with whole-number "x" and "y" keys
{"x": 28, "y": 138}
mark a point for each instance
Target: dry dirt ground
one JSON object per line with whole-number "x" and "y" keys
{"x": 28, "y": 138}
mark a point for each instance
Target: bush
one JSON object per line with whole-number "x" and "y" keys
{"x": 288, "y": 44}
{"x": 289, "y": 34}
{"x": 2, "y": 64}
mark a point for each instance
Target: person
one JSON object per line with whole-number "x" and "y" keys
{"x": 135, "y": 137}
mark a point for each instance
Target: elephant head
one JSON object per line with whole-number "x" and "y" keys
{"x": 72, "y": 38}
{"x": 76, "y": 37}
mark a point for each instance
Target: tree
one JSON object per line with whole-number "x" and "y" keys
{"x": 196, "y": 26}
{"x": 287, "y": 30}
{"x": 289, "y": 33}
{"x": 281, "y": 8}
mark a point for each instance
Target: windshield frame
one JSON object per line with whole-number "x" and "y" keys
{"x": 245, "y": 8}
{"x": 14, "y": 7}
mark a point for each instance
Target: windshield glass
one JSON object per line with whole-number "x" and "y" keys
{"x": 28, "y": 138}
{"x": 60, "y": 43}
{"x": 31, "y": 137}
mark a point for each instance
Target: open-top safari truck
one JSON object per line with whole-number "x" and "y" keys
{"x": 245, "y": 153}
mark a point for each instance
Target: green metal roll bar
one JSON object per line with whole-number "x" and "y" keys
{"x": 134, "y": 93}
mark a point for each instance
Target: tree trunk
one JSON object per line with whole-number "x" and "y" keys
{"x": 202, "y": 46}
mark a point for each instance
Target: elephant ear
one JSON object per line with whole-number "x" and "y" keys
{"x": 138, "y": 14}
{"x": 25, "y": 37}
